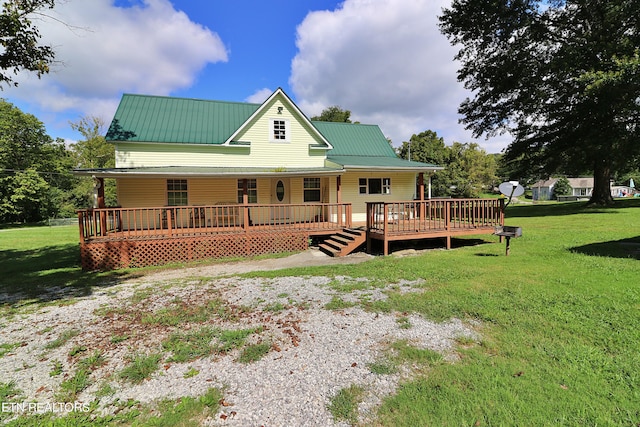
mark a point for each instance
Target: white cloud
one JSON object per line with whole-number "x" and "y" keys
{"x": 107, "y": 50}
{"x": 259, "y": 96}
{"x": 386, "y": 61}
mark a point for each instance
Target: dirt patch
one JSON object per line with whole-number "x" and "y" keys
{"x": 311, "y": 257}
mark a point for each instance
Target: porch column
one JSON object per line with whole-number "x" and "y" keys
{"x": 245, "y": 203}
{"x": 101, "y": 203}
{"x": 429, "y": 186}
{"x": 339, "y": 198}
{"x": 98, "y": 202}
{"x": 421, "y": 191}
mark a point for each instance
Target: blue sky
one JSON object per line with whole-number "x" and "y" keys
{"x": 384, "y": 60}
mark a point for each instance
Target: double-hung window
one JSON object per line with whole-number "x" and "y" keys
{"x": 177, "y": 194}
{"x": 252, "y": 190}
{"x": 312, "y": 190}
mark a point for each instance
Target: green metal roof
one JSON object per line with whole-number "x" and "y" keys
{"x": 350, "y": 139}
{"x": 364, "y": 146}
{"x": 161, "y": 119}
{"x": 380, "y": 162}
{"x": 143, "y": 118}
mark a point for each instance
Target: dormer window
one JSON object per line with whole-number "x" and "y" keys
{"x": 279, "y": 130}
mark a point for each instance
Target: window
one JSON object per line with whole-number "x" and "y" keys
{"x": 362, "y": 184}
{"x": 177, "y": 192}
{"x": 279, "y": 130}
{"x": 312, "y": 189}
{"x": 374, "y": 186}
{"x": 252, "y": 190}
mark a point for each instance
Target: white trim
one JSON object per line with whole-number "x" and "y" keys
{"x": 263, "y": 107}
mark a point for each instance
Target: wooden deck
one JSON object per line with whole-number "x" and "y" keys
{"x": 121, "y": 237}
{"x": 178, "y": 221}
{"x": 432, "y": 218}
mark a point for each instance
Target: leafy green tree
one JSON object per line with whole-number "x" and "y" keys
{"x": 92, "y": 152}
{"x": 469, "y": 172}
{"x": 25, "y": 150}
{"x": 333, "y": 114}
{"x": 562, "y": 187}
{"x": 30, "y": 198}
{"x": 562, "y": 76}
{"x": 19, "y": 48}
{"x": 468, "y": 169}
{"x": 426, "y": 147}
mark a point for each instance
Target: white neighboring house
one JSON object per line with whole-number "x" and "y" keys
{"x": 623, "y": 191}
{"x": 581, "y": 189}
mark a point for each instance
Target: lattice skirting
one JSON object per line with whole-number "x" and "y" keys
{"x": 110, "y": 255}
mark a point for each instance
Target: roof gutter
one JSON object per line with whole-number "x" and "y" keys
{"x": 114, "y": 173}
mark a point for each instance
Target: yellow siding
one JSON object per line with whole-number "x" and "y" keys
{"x": 146, "y": 192}
{"x": 402, "y": 189}
{"x": 206, "y": 191}
{"x": 262, "y": 152}
{"x": 294, "y": 153}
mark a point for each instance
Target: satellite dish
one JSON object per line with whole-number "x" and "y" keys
{"x": 511, "y": 189}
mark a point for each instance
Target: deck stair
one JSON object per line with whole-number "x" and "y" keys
{"x": 344, "y": 242}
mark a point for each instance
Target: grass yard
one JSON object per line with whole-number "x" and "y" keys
{"x": 559, "y": 318}
{"x": 35, "y": 262}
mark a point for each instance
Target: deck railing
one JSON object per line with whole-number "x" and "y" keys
{"x": 172, "y": 221}
{"x": 433, "y": 215}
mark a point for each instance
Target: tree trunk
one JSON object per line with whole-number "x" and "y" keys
{"x": 601, "y": 195}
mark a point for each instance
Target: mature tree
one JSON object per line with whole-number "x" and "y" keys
{"x": 469, "y": 172}
{"x": 30, "y": 163}
{"x": 563, "y": 76}
{"x": 333, "y": 114}
{"x": 562, "y": 187}
{"x": 468, "y": 169}
{"x": 29, "y": 197}
{"x": 93, "y": 152}
{"x": 426, "y": 147}
{"x": 19, "y": 48}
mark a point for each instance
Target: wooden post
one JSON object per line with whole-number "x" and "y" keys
{"x": 384, "y": 225}
{"x": 101, "y": 205}
{"x": 369, "y": 225}
{"x": 421, "y": 198}
{"x": 245, "y": 204}
{"x": 169, "y": 221}
{"x": 447, "y": 221}
{"x": 339, "y": 198}
{"x": 81, "y": 224}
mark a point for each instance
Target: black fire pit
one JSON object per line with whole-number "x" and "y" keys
{"x": 508, "y": 232}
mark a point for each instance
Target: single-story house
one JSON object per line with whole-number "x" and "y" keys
{"x": 235, "y": 175}
{"x": 581, "y": 188}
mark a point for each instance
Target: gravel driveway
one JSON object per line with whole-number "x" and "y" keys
{"x": 314, "y": 351}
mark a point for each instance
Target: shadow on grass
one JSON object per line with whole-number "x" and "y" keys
{"x": 624, "y": 248}
{"x": 48, "y": 274}
{"x": 567, "y": 208}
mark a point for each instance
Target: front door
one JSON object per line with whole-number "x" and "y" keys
{"x": 280, "y": 195}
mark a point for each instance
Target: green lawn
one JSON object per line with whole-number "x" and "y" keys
{"x": 559, "y": 318}
{"x": 37, "y": 261}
